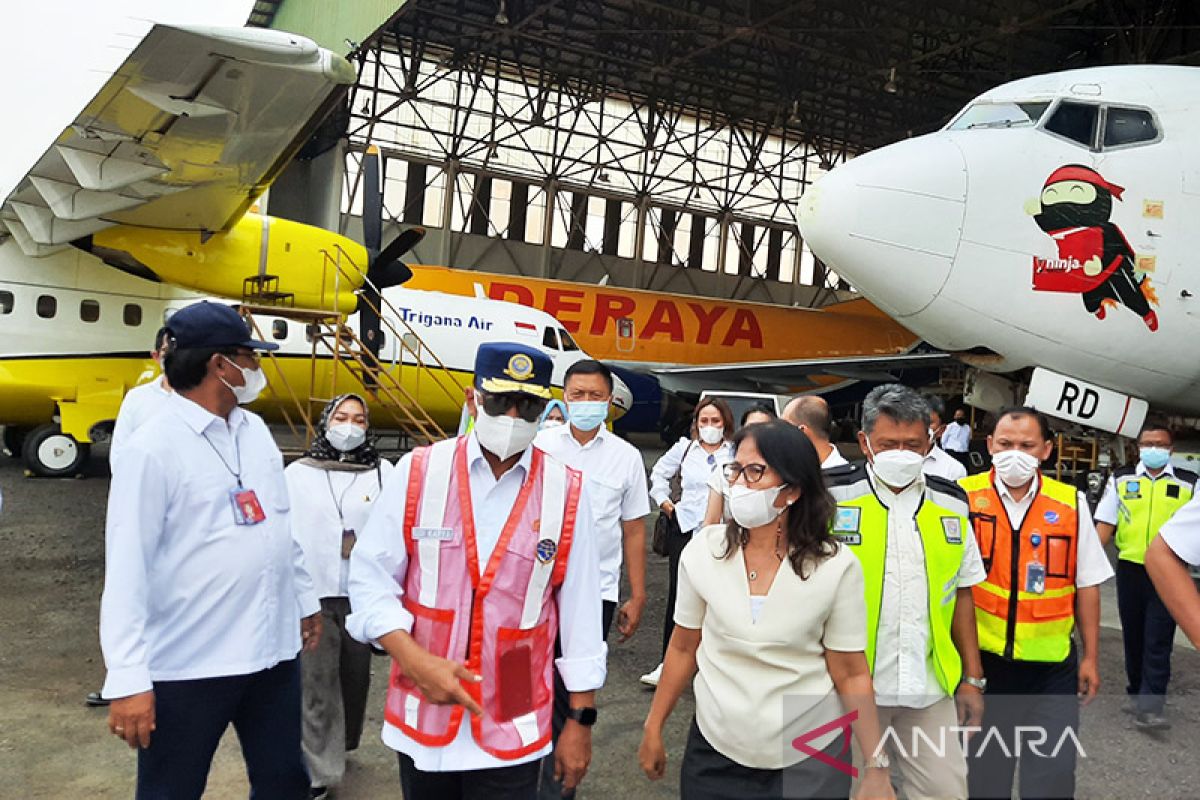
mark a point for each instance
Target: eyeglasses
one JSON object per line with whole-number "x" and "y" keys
{"x": 528, "y": 407}
{"x": 753, "y": 472}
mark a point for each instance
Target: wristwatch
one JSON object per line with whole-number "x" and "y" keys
{"x": 584, "y": 716}
{"x": 880, "y": 761}
{"x": 978, "y": 683}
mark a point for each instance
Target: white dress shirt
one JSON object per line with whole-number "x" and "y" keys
{"x": 1182, "y": 531}
{"x": 1109, "y": 507}
{"x": 834, "y": 459}
{"x": 957, "y": 437}
{"x": 187, "y": 592}
{"x": 316, "y": 494}
{"x": 616, "y": 479}
{"x": 141, "y": 403}
{"x": 904, "y": 673}
{"x": 377, "y": 569}
{"x": 943, "y": 465}
{"x": 1092, "y": 567}
{"x": 698, "y": 466}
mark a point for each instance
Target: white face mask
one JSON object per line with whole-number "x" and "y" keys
{"x": 1015, "y": 467}
{"x": 753, "y": 508}
{"x": 896, "y": 468}
{"x": 345, "y": 436}
{"x": 253, "y": 383}
{"x": 551, "y": 423}
{"x": 710, "y": 434}
{"x": 504, "y": 436}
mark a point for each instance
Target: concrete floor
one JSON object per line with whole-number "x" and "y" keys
{"x": 52, "y": 746}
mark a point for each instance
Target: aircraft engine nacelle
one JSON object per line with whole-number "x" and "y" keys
{"x": 261, "y": 259}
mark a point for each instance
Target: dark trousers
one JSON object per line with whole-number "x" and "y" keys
{"x": 1149, "y": 633}
{"x": 518, "y": 782}
{"x": 1030, "y": 694}
{"x": 706, "y": 774}
{"x": 548, "y": 787}
{"x": 675, "y": 545}
{"x": 191, "y": 716}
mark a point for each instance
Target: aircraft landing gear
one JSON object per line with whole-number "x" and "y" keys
{"x": 50, "y": 453}
{"x": 12, "y": 441}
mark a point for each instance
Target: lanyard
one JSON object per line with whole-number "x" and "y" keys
{"x": 337, "y": 501}
{"x": 236, "y": 473}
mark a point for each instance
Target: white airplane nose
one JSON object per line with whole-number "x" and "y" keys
{"x": 890, "y": 221}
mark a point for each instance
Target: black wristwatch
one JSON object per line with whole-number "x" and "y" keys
{"x": 584, "y": 716}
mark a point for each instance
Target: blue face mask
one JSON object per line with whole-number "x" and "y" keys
{"x": 587, "y": 415}
{"x": 1155, "y": 457}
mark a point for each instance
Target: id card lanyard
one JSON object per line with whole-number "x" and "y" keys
{"x": 1035, "y": 570}
{"x": 247, "y": 510}
{"x": 349, "y": 537}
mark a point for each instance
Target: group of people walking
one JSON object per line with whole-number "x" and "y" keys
{"x": 815, "y": 606}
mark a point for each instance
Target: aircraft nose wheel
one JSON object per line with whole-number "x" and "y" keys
{"x": 50, "y": 453}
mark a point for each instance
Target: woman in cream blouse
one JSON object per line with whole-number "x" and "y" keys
{"x": 770, "y": 618}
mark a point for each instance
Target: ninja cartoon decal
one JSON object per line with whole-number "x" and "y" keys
{"x": 1094, "y": 258}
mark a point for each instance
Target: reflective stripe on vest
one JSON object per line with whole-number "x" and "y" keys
{"x": 1144, "y": 505}
{"x": 1012, "y": 622}
{"x": 861, "y": 523}
{"x": 501, "y": 621}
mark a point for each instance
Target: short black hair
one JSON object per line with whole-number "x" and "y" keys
{"x": 589, "y": 366}
{"x": 936, "y": 406}
{"x": 161, "y": 339}
{"x": 185, "y": 369}
{"x": 757, "y": 408}
{"x": 1017, "y": 412}
{"x": 1156, "y": 424}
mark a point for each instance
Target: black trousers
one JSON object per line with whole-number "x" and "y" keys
{"x": 1041, "y": 698}
{"x": 706, "y": 774}
{"x": 1149, "y": 633}
{"x": 548, "y": 787}
{"x": 675, "y": 545}
{"x": 518, "y": 782}
{"x": 191, "y": 717}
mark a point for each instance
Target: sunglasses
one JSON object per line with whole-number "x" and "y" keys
{"x": 528, "y": 407}
{"x": 753, "y": 472}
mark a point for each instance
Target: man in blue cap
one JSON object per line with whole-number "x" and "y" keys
{"x": 479, "y": 551}
{"x": 206, "y": 600}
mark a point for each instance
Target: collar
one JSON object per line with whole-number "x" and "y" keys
{"x": 199, "y": 418}
{"x": 936, "y": 453}
{"x": 1169, "y": 469}
{"x": 601, "y": 434}
{"x": 475, "y": 456}
{"x": 1006, "y": 493}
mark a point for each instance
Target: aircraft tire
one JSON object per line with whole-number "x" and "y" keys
{"x": 13, "y": 439}
{"x": 50, "y": 453}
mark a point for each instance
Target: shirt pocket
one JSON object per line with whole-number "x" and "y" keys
{"x": 605, "y": 501}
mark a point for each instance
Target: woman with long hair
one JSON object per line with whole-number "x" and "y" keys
{"x": 770, "y": 619}
{"x": 332, "y": 489}
{"x": 690, "y": 463}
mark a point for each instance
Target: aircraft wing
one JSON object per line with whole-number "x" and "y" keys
{"x": 783, "y": 377}
{"x": 192, "y": 127}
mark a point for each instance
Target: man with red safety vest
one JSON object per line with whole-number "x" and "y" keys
{"x": 1044, "y": 565}
{"x": 479, "y": 552}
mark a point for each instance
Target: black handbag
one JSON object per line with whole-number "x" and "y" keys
{"x": 667, "y": 525}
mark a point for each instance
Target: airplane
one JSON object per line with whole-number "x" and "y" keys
{"x": 1047, "y": 225}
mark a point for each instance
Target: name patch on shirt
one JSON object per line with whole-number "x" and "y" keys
{"x": 848, "y": 538}
{"x": 952, "y": 528}
{"x": 433, "y": 534}
{"x": 847, "y": 519}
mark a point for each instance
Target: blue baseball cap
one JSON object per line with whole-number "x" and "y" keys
{"x": 205, "y": 325}
{"x": 502, "y": 367}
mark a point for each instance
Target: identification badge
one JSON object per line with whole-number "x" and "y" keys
{"x": 1173, "y": 491}
{"x": 952, "y": 529}
{"x": 1133, "y": 490}
{"x": 433, "y": 534}
{"x": 1035, "y": 577}
{"x": 846, "y": 519}
{"x": 246, "y": 508}
{"x": 348, "y": 540}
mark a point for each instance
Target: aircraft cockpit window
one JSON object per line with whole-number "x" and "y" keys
{"x": 89, "y": 311}
{"x": 47, "y": 306}
{"x": 6, "y": 302}
{"x": 1125, "y": 126}
{"x": 568, "y": 343}
{"x": 1000, "y": 115}
{"x": 549, "y": 339}
{"x": 1075, "y": 121}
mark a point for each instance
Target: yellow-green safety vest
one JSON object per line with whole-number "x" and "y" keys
{"x": 861, "y": 523}
{"x": 1144, "y": 504}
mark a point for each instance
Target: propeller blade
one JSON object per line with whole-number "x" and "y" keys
{"x": 372, "y": 207}
{"x": 385, "y": 276}
{"x": 405, "y": 241}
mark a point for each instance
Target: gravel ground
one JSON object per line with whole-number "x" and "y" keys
{"x": 52, "y": 746}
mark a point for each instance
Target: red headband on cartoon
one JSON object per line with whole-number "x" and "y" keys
{"x": 1075, "y": 172}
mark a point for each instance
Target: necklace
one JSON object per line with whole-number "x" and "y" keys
{"x": 778, "y": 555}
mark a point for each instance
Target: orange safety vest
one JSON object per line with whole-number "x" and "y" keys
{"x": 1015, "y": 623}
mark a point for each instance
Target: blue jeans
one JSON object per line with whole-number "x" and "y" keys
{"x": 191, "y": 716}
